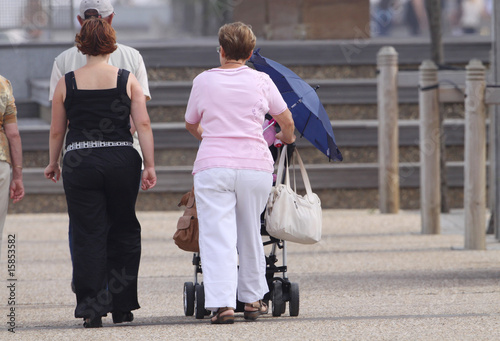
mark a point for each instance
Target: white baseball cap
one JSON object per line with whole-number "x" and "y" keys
{"x": 103, "y": 7}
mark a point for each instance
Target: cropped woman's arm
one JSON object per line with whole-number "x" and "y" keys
{"x": 16, "y": 154}
{"x": 285, "y": 121}
{"x": 142, "y": 124}
{"x": 195, "y": 129}
{"x": 58, "y": 127}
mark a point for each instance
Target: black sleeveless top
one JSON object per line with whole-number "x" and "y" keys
{"x": 98, "y": 115}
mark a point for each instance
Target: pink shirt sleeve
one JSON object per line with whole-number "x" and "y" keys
{"x": 276, "y": 102}
{"x": 193, "y": 114}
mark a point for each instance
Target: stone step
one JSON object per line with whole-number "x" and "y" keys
{"x": 201, "y": 53}
{"x": 354, "y": 133}
{"x": 330, "y": 91}
{"x": 324, "y": 176}
{"x": 167, "y": 201}
{"x": 357, "y": 140}
{"x": 338, "y": 186}
{"x": 350, "y": 56}
{"x": 336, "y": 112}
{"x": 310, "y": 155}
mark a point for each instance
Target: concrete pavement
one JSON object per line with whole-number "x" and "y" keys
{"x": 372, "y": 277}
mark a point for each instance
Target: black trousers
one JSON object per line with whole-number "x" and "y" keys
{"x": 101, "y": 186}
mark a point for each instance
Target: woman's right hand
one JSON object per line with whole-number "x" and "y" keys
{"x": 280, "y": 136}
{"x": 53, "y": 172}
{"x": 148, "y": 178}
{"x": 285, "y": 121}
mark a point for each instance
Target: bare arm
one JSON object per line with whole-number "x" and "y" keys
{"x": 16, "y": 154}
{"x": 57, "y": 132}
{"x": 142, "y": 124}
{"x": 195, "y": 129}
{"x": 55, "y": 76}
{"x": 285, "y": 121}
{"x": 132, "y": 126}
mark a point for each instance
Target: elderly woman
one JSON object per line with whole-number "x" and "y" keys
{"x": 101, "y": 173}
{"x": 233, "y": 173}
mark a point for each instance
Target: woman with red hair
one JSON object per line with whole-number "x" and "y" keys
{"x": 101, "y": 172}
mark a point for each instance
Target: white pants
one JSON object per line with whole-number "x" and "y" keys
{"x": 4, "y": 194}
{"x": 229, "y": 203}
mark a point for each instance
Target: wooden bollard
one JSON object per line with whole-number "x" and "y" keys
{"x": 475, "y": 157}
{"x": 430, "y": 180}
{"x": 388, "y": 135}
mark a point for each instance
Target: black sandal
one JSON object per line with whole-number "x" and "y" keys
{"x": 119, "y": 317}
{"x": 93, "y": 323}
{"x": 261, "y": 309}
{"x": 225, "y": 319}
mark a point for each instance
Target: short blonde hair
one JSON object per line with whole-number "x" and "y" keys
{"x": 237, "y": 39}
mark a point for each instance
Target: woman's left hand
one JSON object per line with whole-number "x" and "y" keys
{"x": 53, "y": 172}
{"x": 148, "y": 178}
{"x": 280, "y": 136}
{"x": 16, "y": 190}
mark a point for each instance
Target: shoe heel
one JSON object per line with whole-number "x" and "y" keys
{"x": 93, "y": 323}
{"x": 120, "y": 317}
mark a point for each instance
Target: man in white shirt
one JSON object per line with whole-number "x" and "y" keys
{"x": 124, "y": 57}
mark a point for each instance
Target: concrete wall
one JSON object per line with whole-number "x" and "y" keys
{"x": 21, "y": 63}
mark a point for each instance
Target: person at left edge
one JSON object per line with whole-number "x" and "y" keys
{"x": 11, "y": 155}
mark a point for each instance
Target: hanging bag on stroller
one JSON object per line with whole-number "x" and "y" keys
{"x": 290, "y": 216}
{"x": 186, "y": 235}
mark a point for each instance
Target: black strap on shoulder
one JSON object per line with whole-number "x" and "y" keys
{"x": 70, "y": 82}
{"x": 70, "y": 87}
{"x": 123, "y": 80}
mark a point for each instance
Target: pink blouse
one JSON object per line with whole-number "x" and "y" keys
{"x": 230, "y": 105}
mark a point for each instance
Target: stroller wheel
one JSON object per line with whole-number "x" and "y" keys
{"x": 277, "y": 298}
{"x": 188, "y": 297}
{"x": 200, "y": 301}
{"x": 293, "y": 306}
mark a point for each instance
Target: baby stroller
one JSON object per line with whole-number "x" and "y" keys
{"x": 281, "y": 290}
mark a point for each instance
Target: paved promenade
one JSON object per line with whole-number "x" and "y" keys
{"x": 372, "y": 277}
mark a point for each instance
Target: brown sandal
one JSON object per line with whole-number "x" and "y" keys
{"x": 261, "y": 309}
{"x": 222, "y": 319}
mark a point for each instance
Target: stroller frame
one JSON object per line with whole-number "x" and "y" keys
{"x": 281, "y": 290}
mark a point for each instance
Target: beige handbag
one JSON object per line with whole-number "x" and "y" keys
{"x": 290, "y": 216}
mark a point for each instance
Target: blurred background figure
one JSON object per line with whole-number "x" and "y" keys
{"x": 415, "y": 16}
{"x": 384, "y": 17}
{"x": 455, "y": 15}
{"x": 472, "y": 13}
{"x": 35, "y": 19}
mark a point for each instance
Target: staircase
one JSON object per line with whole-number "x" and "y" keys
{"x": 346, "y": 73}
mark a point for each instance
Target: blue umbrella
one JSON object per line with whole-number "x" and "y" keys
{"x": 309, "y": 115}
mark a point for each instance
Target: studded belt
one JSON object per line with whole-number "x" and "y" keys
{"x": 97, "y": 144}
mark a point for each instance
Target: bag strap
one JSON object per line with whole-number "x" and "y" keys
{"x": 281, "y": 166}
{"x": 305, "y": 177}
{"x": 281, "y": 169}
